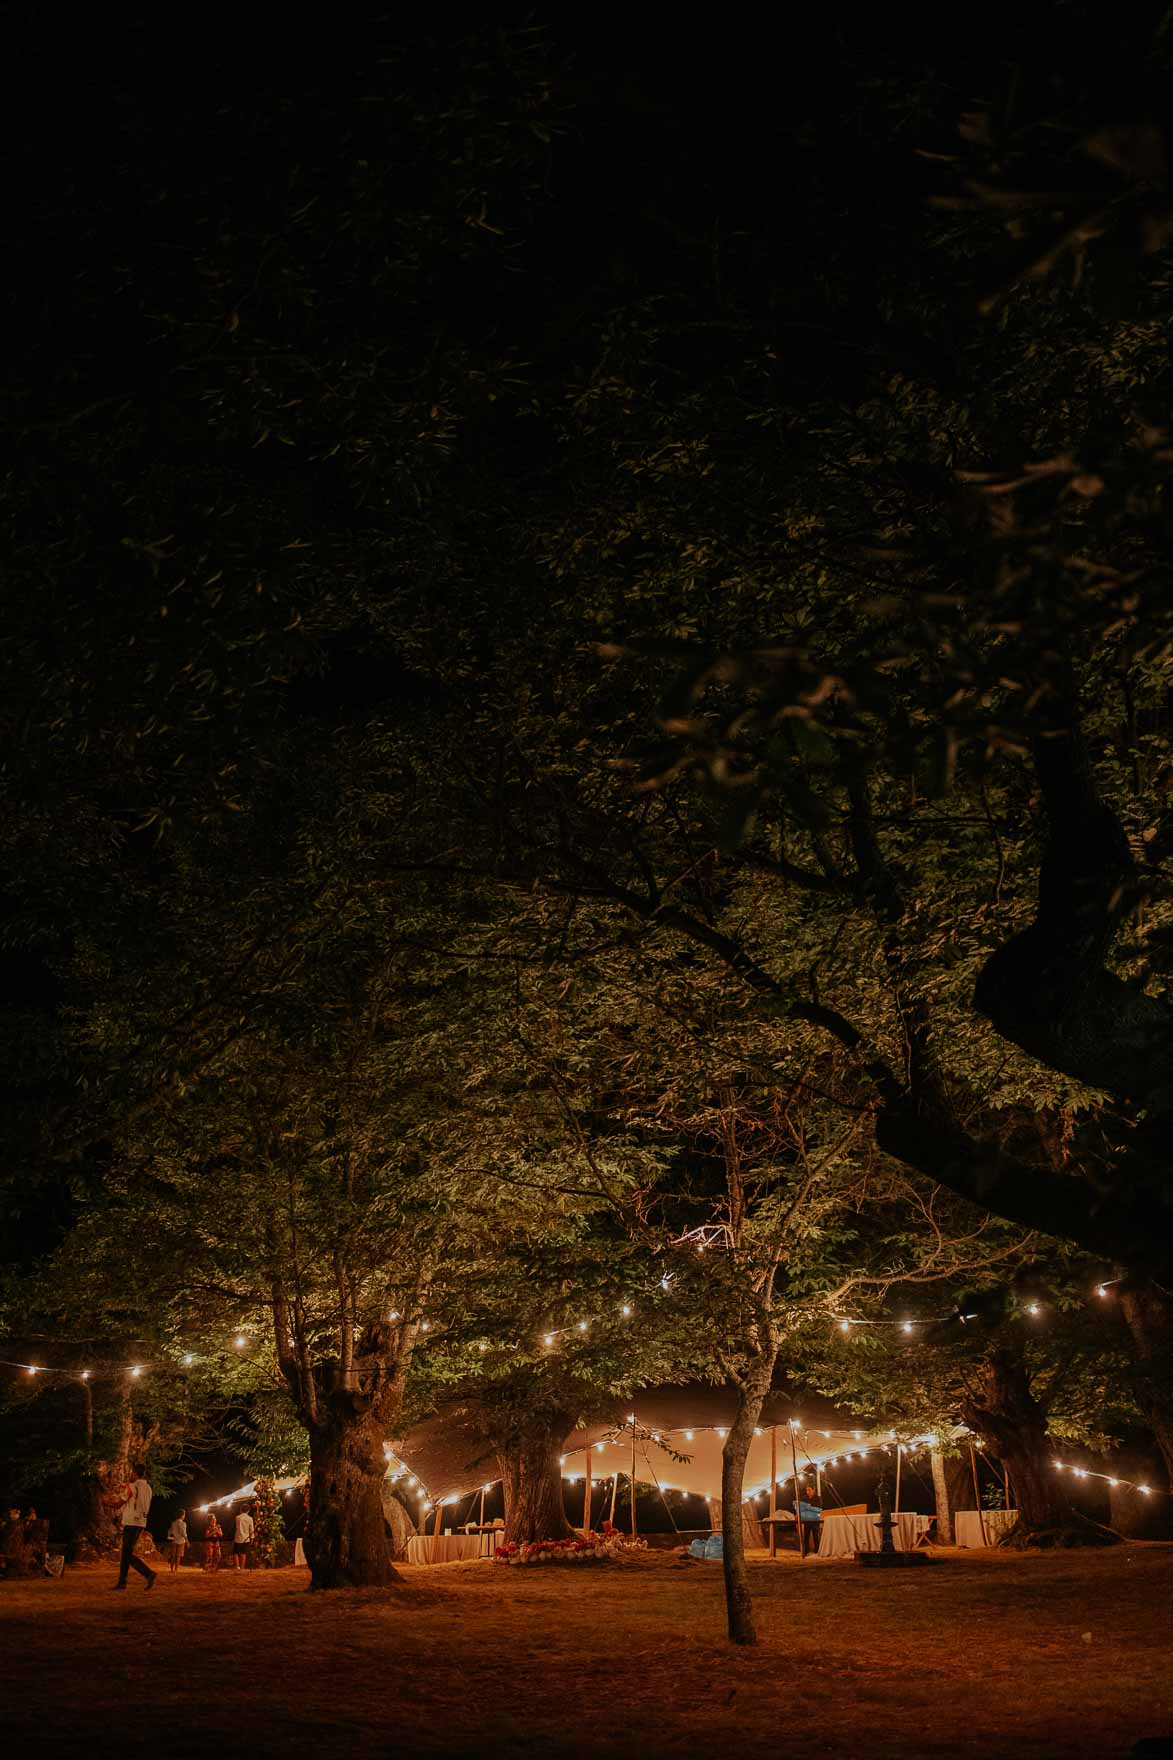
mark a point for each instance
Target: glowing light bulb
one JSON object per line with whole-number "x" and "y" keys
{"x": 582, "y": 1326}
{"x": 394, "y": 1314}
{"x": 427, "y": 1326}
{"x": 482, "y": 1347}
{"x": 1144, "y": 1490}
{"x": 795, "y": 1424}
{"x": 757, "y": 1432}
{"x": 626, "y": 1308}
{"x": 32, "y": 1369}
{"x": 1102, "y": 1289}
{"x": 239, "y": 1341}
{"x": 665, "y": 1282}
{"x": 486, "y": 1487}
{"x": 857, "y": 1434}
{"x": 688, "y": 1435}
{"x": 549, "y": 1339}
{"x": 137, "y": 1370}
{"x": 906, "y": 1326}
{"x": 1058, "y": 1466}
{"x": 1113, "y": 1481}
{"x": 1032, "y": 1308}
{"x": 189, "y": 1358}
{"x": 845, "y": 1325}
{"x": 204, "y": 1507}
{"x": 631, "y": 1417}
{"x": 85, "y": 1374}
{"x": 720, "y": 1433}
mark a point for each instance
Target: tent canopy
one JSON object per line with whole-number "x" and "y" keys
{"x": 450, "y": 1457}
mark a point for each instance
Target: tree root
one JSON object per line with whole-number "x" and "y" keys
{"x": 1076, "y": 1530}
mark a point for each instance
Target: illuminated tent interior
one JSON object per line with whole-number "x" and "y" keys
{"x": 448, "y": 1457}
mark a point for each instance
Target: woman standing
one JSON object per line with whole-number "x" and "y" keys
{"x": 213, "y": 1534}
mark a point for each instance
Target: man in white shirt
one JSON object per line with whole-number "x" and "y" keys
{"x": 134, "y": 1519}
{"x": 242, "y": 1539}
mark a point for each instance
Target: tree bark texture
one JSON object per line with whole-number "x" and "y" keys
{"x": 1003, "y": 1412}
{"x": 944, "y": 1502}
{"x": 1149, "y": 1319}
{"x": 531, "y": 1476}
{"x": 346, "y": 1537}
{"x": 751, "y": 1392}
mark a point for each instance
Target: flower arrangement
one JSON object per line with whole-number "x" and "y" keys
{"x": 609, "y": 1544}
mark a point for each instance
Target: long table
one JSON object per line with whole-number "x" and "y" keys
{"x": 843, "y": 1536}
{"x": 968, "y": 1525}
{"x": 448, "y": 1548}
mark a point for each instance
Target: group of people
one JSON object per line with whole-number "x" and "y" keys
{"x": 24, "y": 1544}
{"x": 243, "y": 1530}
{"x": 135, "y": 1511}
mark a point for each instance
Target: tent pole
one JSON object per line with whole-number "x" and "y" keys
{"x": 633, "y": 1476}
{"x": 614, "y": 1495}
{"x": 773, "y": 1490}
{"x": 1005, "y": 1486}
{"x": 586, "y": 1499}
{"x": 977, "y": 1497}
{"x": 797, "y": 1494}
{"x": 436, "y": 1524}
{"x": 483, "y": 1490}
{"x": 899, "y": 1458}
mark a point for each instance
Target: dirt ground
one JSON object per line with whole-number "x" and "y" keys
{"x": 994, "y": 1654}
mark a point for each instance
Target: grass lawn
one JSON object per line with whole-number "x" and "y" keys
{"x": 993, "y": 1654}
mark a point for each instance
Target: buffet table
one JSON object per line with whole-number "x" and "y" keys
{"x": 843, "y": 1536}
{"x": 968, "y": 1525}
{"x": 448, "y": 1548}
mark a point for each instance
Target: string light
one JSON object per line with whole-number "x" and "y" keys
{"x": 137, "y": 1370}
{"x": 1089, "y": 1473}
{"x": 240, "y": 1341}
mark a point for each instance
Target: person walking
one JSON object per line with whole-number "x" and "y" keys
{"x": 177, "y": 1542}
{"x": 134, "y": 1519}
{"x": 242, "y": 1540}
{"x": 212, "y": 1537}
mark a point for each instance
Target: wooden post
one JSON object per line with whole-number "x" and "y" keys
{"x": 977, "y": 1496}
{"x": 586, "y": 1499}
{"x": 797, "y": 1495}
{"x": 819, "y": 1480}
{"x": 436, "y": 1525}
{"x": 483, "y": 1490}
{"x": 899, "y": 1458}
{"x": 1005, "y": 1486}
{"x": 773, "y": 1490}
{"x": 614, "y": 1495}
{"x": 633, "y": 1477}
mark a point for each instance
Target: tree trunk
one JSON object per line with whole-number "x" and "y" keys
{"x": 750, "y": 1394}
{"x": 1006, "y": 1415}
{"x": 400, "y": 1526}
{"x": 941, "y": 1496}
{"x": 531, "y": 1477}
{"x": 1147, "y": 1315}
{"x": 346, "y": 1537}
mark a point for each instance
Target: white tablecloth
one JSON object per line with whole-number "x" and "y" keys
{"x": 842, "y": 1536}
{"x": 446, "y": 1548}
{"x": 299, "y": 1556}
{"x": 967, "y": 1525}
